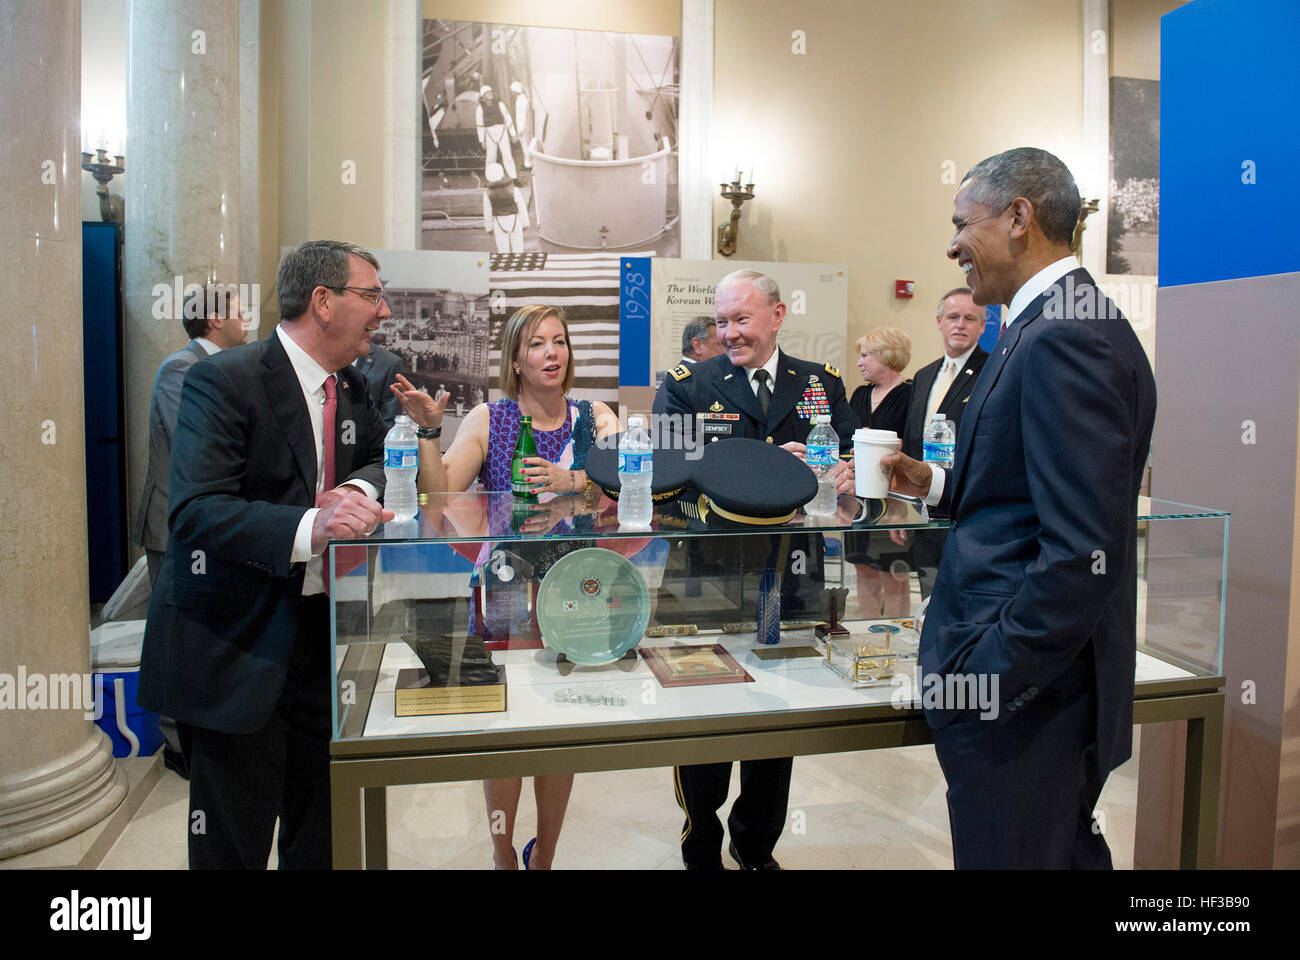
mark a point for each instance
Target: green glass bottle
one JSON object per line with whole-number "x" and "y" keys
{"x": 525, "y": 446}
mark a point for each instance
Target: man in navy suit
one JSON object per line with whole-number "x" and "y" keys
{"x": 1036, "y": 594}
{"x": 277, "y": 451}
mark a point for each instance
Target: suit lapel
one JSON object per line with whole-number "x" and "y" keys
{"x": 987, "y": 377}
{"x": 289, "y": 408}
{"x": 921, "y": 387}
{"x": 962, "y": 382}
{"x": 789, "y": 388}
{"x": 733, "y": 383}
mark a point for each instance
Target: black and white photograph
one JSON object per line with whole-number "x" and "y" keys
{"x": 1133, "y": 227}
{"x": 548, "y": 140}
{"x": 440, "y": 327}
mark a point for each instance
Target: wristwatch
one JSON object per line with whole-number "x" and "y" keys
{"x": 428, "y": 433}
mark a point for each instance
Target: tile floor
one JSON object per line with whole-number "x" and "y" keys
{"x": 880, "y": 809}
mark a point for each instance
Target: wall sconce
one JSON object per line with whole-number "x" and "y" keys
{"x": 1076, "y": 242}
{"x": 104, "y": 168}
{"x": 737, "y": 193}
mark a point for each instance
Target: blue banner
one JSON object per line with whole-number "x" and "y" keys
{"x": 634, "y": 322}
{"x": 992, "y": 326}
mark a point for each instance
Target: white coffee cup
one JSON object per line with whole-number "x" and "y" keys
{"x": 870, "y": 479}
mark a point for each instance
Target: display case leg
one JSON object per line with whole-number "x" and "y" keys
{"x": 1201, "y": 788}
{"x": 345, "y": 817}
{"x": 376, "y": 827}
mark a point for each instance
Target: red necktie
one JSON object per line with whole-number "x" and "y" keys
{"x": 328, "y": 429}
{"x": 1005, "y": 324}
{"x": 327, "y": 440}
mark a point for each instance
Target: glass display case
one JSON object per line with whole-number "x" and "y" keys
{"x": 492, "y": 638}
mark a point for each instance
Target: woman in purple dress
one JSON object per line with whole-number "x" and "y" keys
{"x": 536, "y": 375}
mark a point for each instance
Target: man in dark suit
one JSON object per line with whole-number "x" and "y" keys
{"x": 945, "y": 385}
{"x": 752, "y": 390}
{"x": 213, "y": 317}
{"x": 210, "y": 330}
{"x": 1034, "y": 607}
{"x": 380, "y": 367}
{"x": 699, "y": 342}
{"x": 277, "y": 451}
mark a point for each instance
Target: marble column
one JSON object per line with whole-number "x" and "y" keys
{"x": 250, "y": 141}
{"x": 57, "y": 773}
{"x": 182, "y": 222}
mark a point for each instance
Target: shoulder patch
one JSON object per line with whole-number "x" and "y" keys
{"x": 832, "y": 371}
{"x": 680, "y": 372}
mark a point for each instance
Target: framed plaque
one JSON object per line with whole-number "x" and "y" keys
{"x": 694, "y": 665}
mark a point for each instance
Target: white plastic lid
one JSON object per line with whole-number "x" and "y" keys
{"x": 938, "y": 415}
{"x": 823, "y": 418}
{"x": 865, "y": 435}
{"x": 634, "y": 422}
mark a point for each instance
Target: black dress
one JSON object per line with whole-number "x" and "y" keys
{"x": 892, "y": 412}
{"x": 877, "y": 549}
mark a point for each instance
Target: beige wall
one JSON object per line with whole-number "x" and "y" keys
{"x": 851, "y": 139}
{"x": 663, "y": 17}
{"x": 1135, "y": 37}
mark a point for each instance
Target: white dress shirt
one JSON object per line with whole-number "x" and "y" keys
{"x": 311, "y": 377}
{"x": 209, "y": 347}
{"x": 959, "y": 363}
{"x": 1026, "y": 295}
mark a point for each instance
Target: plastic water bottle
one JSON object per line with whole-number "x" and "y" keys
{"x": 401, "y": 462}
{"x": 822, "y": 453}
{"x": 940, "y": 441}
{"x": 636, "y": 460}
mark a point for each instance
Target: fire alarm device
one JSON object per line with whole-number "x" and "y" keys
{"x": 904, "y": 289}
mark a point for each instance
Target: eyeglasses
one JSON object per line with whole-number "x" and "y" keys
{"x": 375, "y": 295}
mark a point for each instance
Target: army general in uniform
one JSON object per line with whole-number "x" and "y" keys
{"x": 753, "y": 390}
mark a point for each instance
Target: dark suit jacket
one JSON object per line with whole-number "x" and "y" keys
{"x": 1038, "y": 579}
{"x": 164, "y": 402}
{"x": 697, "y": 388}
{"x": 380, "y": 368}
{"x": 223, "y": 615}
{"x": 952, "y": 405}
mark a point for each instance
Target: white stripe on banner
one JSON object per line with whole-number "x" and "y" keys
{"x": 541, "y": 297}
{"x": 589, "y": 281}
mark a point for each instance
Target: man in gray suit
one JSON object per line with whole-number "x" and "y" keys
{"x": 381, "y": 368}
{"x": 213, "y": 320}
